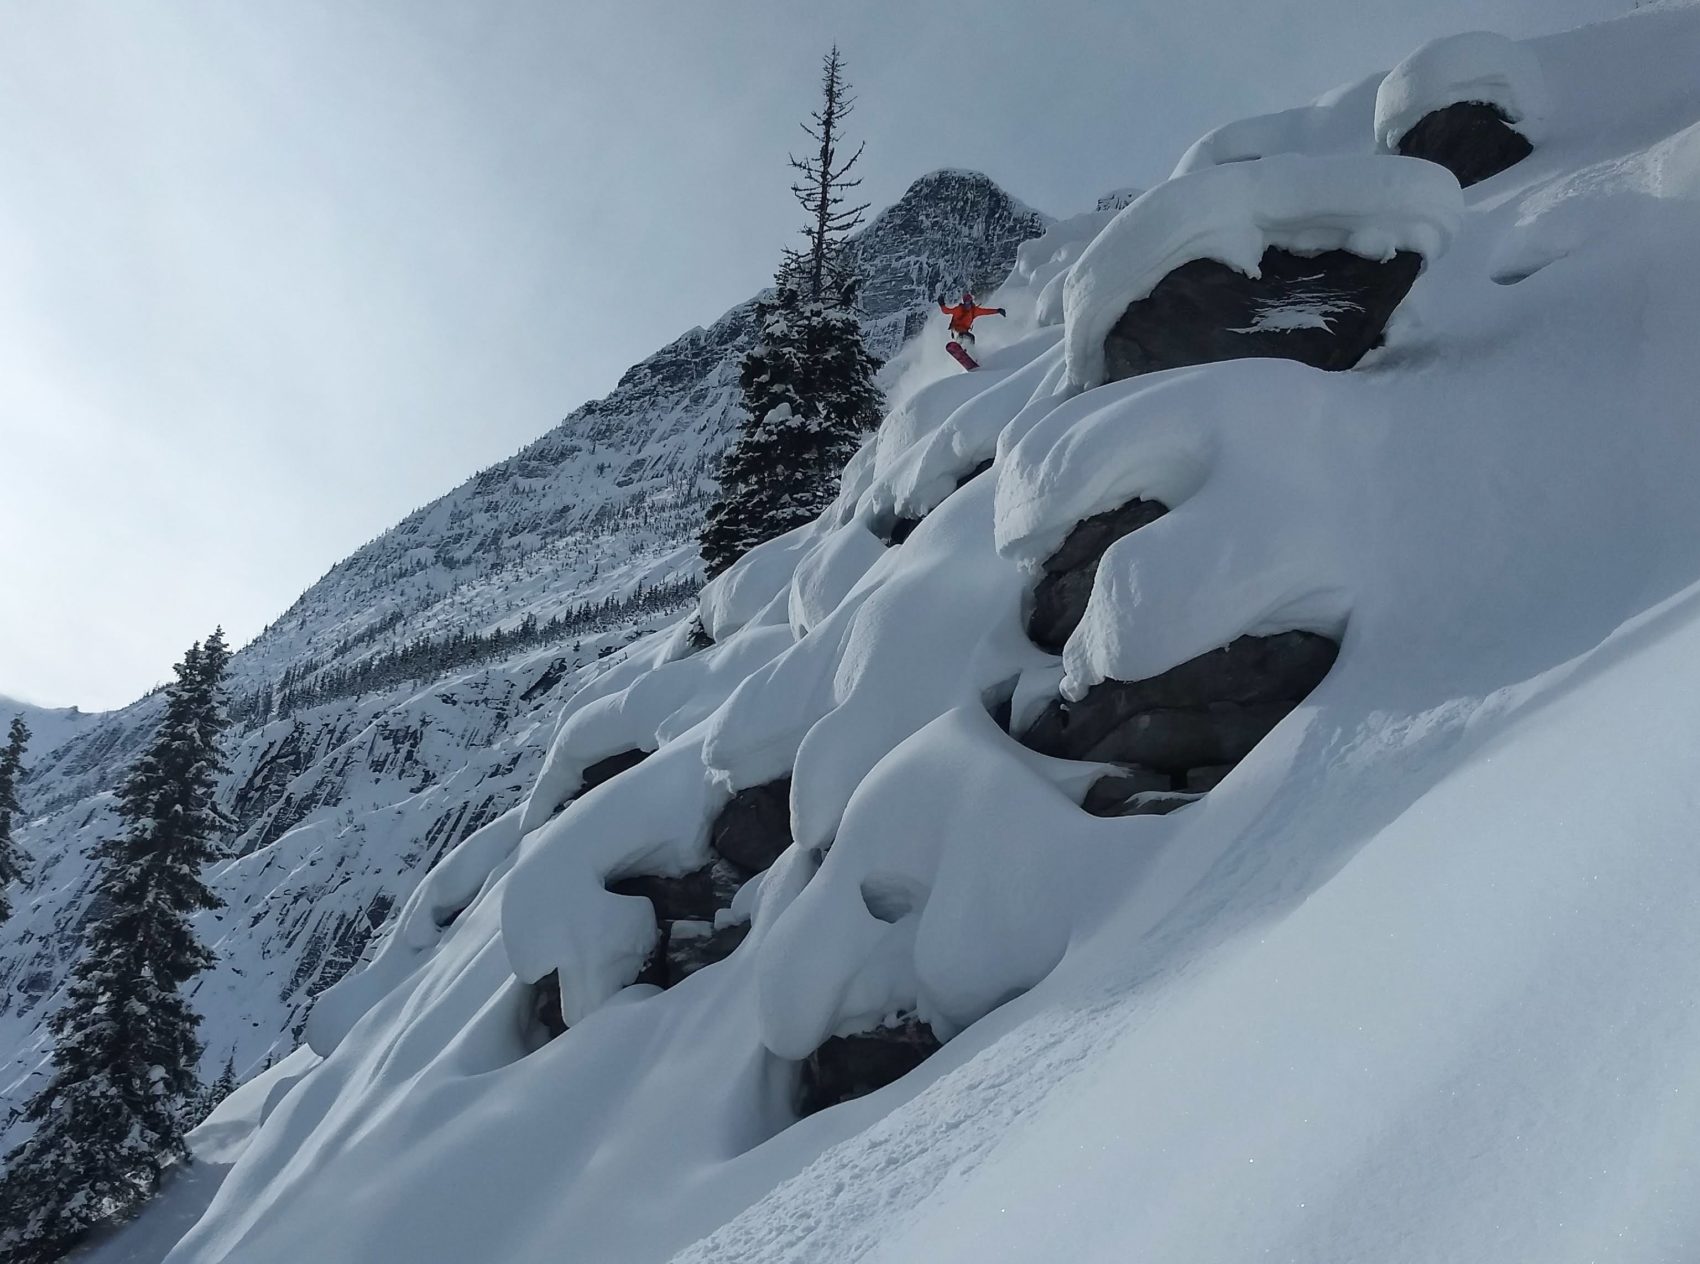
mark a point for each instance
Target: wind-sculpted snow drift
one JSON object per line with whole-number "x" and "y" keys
{"x": 1412, "y": 980}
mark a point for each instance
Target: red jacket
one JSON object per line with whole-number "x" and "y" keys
{"x": 962, "y": 316}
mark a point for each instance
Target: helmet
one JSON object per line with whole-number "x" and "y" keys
{"x": 967, "y": 298}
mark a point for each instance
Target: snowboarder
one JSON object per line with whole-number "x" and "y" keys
{"x": 962, "y": 318}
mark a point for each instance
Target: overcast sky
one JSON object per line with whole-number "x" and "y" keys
{"x": 273, "y": 274}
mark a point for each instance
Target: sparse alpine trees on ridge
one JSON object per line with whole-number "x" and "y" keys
{"x": 808, "y": 383}
{"x": 123, "y": 1084}
{"x": 11, "y": 772}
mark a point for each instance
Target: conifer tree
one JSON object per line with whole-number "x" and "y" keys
{"x": 219, "y": 1089}
{"x": 11, "y": 773}
{"x": 111, "y": 1117}
{"x": 822, "y": 189}
{"x": 808, "y": 383}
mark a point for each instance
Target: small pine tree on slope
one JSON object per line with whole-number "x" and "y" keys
{"x": 808, "y": 383}
{"x": 219, "y": 1089}
{"x": 11, "y": 772}
{"x": 112, "y": 1115}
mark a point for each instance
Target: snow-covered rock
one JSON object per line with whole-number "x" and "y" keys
{"x": 1339, "y": 122}
{"x": 1478, "y": 67}
{"x": 1371, "y": 207}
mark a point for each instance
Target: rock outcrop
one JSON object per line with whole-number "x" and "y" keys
{"x": 694, "y": 896}
{"x": 1472, "y": 140}
{"x": 1205, "y": 713}
{"x": 609, "y": 768}
{"x": 1475, "y": 103}
{"x": 847, "y": 1067}
{"x": 754, "y": 827}
{"x": 1327, "y": 310}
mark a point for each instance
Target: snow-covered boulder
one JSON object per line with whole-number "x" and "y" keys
{"x": 1474, "y": 103}
{"x": 612, "y": 723}
{"x": 1292, "y": 257}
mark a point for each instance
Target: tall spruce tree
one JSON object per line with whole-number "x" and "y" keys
{"x": 124, "y": 1080}
{"x": 11, "y": 773}
{"x": 808, "y": 383}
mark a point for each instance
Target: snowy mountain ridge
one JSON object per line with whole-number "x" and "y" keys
{"x": 50, "y": 727}
{"x": 1205, "y": 791}
{"x": 614, "y": 494}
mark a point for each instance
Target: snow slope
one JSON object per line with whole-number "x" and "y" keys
{"x": 342, "y": 802}
{"x": 1418, "y": 981}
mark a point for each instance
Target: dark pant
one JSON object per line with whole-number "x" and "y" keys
{"x": 963, "y": 336}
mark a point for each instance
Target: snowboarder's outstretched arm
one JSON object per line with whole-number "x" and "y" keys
{"x": 990, "y": 311}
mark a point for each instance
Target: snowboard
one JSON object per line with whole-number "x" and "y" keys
{"x": 959, "y": 353}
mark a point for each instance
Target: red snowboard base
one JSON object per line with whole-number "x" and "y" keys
{"x": 959, "y": 353}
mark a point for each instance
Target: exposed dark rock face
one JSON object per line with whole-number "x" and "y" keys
{"x": 693, "y": 945}
{"x": 546, "y": 1010}
{"x": 1207, "y": 712}
{"x": 903, "y": 528}
{"x": 552, "y": 675}
{"x": 603, "y": 770}
{"x": 609, "y": 768}
{"x": 1471, "y": 139}
{"x": 755, "y": 827}
{"x": 748, "y": 836}
{"x": 1326, "y": 310}
{"x": 685, "y": 909}
{"x": 1109, "y": 794}
{"x": 847, "y": 1067}
{"x": 1059, "y": 599}
{"x": 694, "y": 897}
{"x": 1199, "y": 780}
